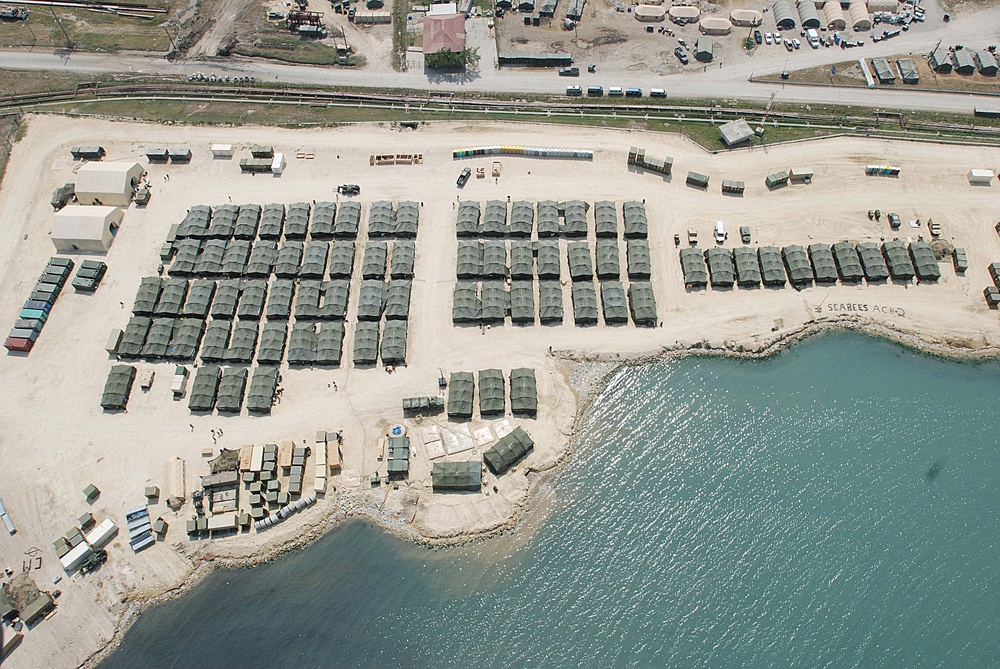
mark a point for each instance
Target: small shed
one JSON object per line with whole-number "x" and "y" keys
{"x": 714, "y": 25}
{"x": 37, "y": 609}
{"x": 940, "y": 60}
{"x": 108, "y": 183}
{"x": 961, "y": 61}
{"x": 735, "y": 132}
{"x": 76, "y": 228}
{"x": 704, "y": 49}
{"x": 986, "y": 62}
{"x": 907, "y": 71}
{"x": 697, "y": 180}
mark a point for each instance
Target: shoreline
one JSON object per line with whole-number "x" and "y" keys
{"x": 588, "y": 379}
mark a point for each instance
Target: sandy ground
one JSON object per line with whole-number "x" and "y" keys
{"x": 56, "y": 439}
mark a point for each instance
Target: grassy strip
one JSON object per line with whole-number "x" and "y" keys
{"x": 400, "y": 41}
{"x": 87, "y": 31}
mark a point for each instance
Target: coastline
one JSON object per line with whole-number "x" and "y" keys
{"x": 588, "y": 378}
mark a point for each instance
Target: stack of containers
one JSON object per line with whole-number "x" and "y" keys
{"x": 320, "y": 485}
{"x": 140, "y": 530}
{"x": 36, "y": 309}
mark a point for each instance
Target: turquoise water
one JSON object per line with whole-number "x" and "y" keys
{"x": 834, "y": 506}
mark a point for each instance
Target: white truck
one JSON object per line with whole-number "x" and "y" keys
{"x": 179, "y": 382}
{"x": 812, "y": 37}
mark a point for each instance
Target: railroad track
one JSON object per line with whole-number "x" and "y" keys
{"x": 889, "y": 124}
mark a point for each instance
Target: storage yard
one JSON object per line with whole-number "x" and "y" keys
{"x": 271, "y": 351}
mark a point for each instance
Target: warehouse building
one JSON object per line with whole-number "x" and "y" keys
{"x": 108, "y": 183}
{"x": 79, "y": 229}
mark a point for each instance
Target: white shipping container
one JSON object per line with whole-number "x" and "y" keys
{"x": 320, "y": 485}
{"x": 222, "y": 150}
{"x": 72, "y": 560}
{"x": 278, "y": 164}
{"x": 102, "y": 534}
{"x": 257, "y": 458}
{"x": 227, "y": 521}
{"x": 980, "y": 176}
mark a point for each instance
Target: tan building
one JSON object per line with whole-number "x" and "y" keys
{"x": 80, "y": 229}
{"x": 108, "y": 183}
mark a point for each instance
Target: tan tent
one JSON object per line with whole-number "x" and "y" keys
{"x": 76, "y": 228}
{"x": 685, "y": 12}
{"x": 745, "y": 17}
{"x": 882, "y": 6}
{"x": 833, "y": 13}
{"x": 650, "y": 13}
{"x": 108, "y": 183}
{"x": 858, "y": 12}
{"x": 714, "y": 25}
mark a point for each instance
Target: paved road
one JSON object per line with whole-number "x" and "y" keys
{"x": 730, "y": 80}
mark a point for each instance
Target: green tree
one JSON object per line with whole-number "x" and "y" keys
{"x": 466, "y": 59}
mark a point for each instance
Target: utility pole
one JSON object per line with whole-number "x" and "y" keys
{"x": 173, "y": 46}
{"x": 69, "y": 42}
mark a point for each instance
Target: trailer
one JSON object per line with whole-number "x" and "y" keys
{"x": 730, "y": 186}
{"x": 73, "y": 559}
{"x": 803, "y": 174}
{"x": 697, "y": 180}
{"x": 980, "y": 177}
{"x": 102, "y": 534}
{"x": 776, "y": 179}
{"x": 222, "y": 150}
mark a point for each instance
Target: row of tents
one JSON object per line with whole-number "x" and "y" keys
{"x": 492, "y": 393}
{"x": 468, "y": 476}
{"x": 526, "y": 260}
{"x": 224, "y": 389}
{"x": 802, "y": 265}
{"x": 490, "y": 302}
{"x": 367, "y": 343}
{"x": 550, "y": 219}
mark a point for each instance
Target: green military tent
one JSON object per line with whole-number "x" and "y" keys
{"x": 272, "y": 221}
{"x": 247, "y": 222}
{"x": 613, "y": 302}
{"x": 394, "y": 343}
{"x": 335, "y": 296}
{"x": 223, "y": 223}
{"x": 457, "y": 476}
{"x": 523, "y": 392}
{"x": 158, "y": 339}
{"x": 209, "y": 261}
{"x": 461, "y": 394}
{"x": 289, "y": 262}
{"x": 117, "y": 388}
{"x": 897, "y": 260}
{"x": 279, "y": 302}
{"x": 171, "y": 302}
{"x": 580, "y": 266}
{"x": 605, "y": 219}
{"x": 466, "y": 306}
{"x": 522, "y": 219}
{"x": 642, "y": 304}
{"x": 495, "y": 219}
{"x": 263, "y": 385}
{"x": 314, "y": 260}
{"x": 848, "y": 263}
{"x": 330, "y": 344}
{"x": 824, "y": 266}
{"x": 373, "y": 265}
{"x": 324, "y": 220}
{"x": 366, "y": 343}
{"x": 227, "y": 296}
{"x": 397, "y": 302}
{"x": 636, "y": 224}
{"x": 185, "y": 339}
{"x": 522, "y": 260}
{"x": 469, "y": 263}
{"x": 924, "y": 262}
{"x": 185, "y": 256}
{"x": 495, "y": 302}
{"x": 797, "y": 262}
{"x": 253, "y": 294}
{"x": 584, "y": 303}
{"x": 199, "y": 299}
{"x": 637, "y": 258}
{"x": 522, "y": 302}
{"x": 341, "y": 260}
{"x": 302, "y": 344}
{"x": 236, "y": 257}
{"x": 747, "y": 266}
{"x": 242, "y": 342}
{"x": 508, "y": 451}
{"x": 297, "y": 220}
{"x": 608, "y": 265}
{"x": 467, "y": 223}
{"x": 720, "y": 266}
{"x": 550, "y": 302}
{"x": 348, "y": 220}
{"x": 381, "y": 220}
{"x": 494, "y": 259}
{"x": 771, "y": 266}
{"x": 547, "y": 260}
{"x": 575, "y": 216}
{"x": 195, "y": 223}
{"x": 693, "y": 266}
{"x": 262, "y": 259}
{"x": 147, "y": 296}
{"x": 548, "y": 219}
{"x": 272, "y": 343}
{"x": 492, "y": 392}
{"x": 308, "y": 300}
{"x": 371, "y": 300}
{"x": 873, "y": 262}
{"x": 232, "y": 387}
{"x": 215, "y": 341}
{"x": 204, "y": 388}
{"x": 401, "y": 266}
{"x": 407, "y": 219}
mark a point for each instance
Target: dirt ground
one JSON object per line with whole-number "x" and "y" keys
{"x": 56, "y": 439}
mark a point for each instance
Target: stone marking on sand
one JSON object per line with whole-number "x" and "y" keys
{"x": 860, "y": 308}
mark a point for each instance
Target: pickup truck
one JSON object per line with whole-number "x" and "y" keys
{"x": 569, "y": 72}
{"x": 463, "y": 177}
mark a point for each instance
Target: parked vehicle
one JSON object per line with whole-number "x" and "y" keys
{"x": 349, "y": 189}
{"x": 788, "y": 45}
{"x": 463, "y": 177}
{"x": 720, "y": 232}
{"x": 681, "y": 55}
{"x": 633, "y": 92}
{"x": 796, "y": 43}
{"x": 595, "y": 92}
{"x": 569, "y": 72}
{"x": 767, "y": 38}
{"x": 616, "y": 91}
{"x": 575, "y": 91}
{"x": 894, "y": 221}
{"x": 657, "y": 93}
{"x": 745, "y": 233}
{"x": 757, "y": 37}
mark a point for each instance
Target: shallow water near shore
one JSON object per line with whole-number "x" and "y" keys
{"x": 834, "y": 505}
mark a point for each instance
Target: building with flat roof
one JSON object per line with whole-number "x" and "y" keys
{"x": 735, "y": 132}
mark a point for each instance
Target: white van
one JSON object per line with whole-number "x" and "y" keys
{"x": 657, "y": 93}
{"x": 616, "y": 91}
{"x": 720, "y": 233}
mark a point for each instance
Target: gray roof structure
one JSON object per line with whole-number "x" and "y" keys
{"x": 403, "y": 255}
{"x": 185, "y": 256}
{"x": 302, "y": 344}
{"x": 747, "y": 266}
{"x": 185, "y": 339}
{"x": 348, "y": 221}
{"x": 232, "y": 387}
{"x": 492, "y": 392}
{"x": 279, "y": 302}
{"x": 848, "y": 262}
{"x": 522, "y": 302}
{"x": 522, "y": 260}
{"x": 247, "y": 222}
{"x": 204, "y": 388}
{"x": 548, "y": 219}
{"x": 366, "y": 343}
{"x": 580, "y": 266}
{"x": 223, "y": 223}
{"x": 242, "y": 342}
{"x": 263, "y": 256}
{"x": 252, "y": 297}
{"x": 797, "y": 262}
{"x": 407, "y": 219}
{"x": 209, "y": 261}
{"x": 272, "y": 342}
{"x": 134, "y": 336}
{"x": 297, "y": 220}
{"x": 263, "y": 384}
{"x": 371, "y": 300}
{"x": 397, "y": 303}
{"x": 495, "y": 219}
{"x": 772, "y": 267}
{"x": 584, "y": 303}
{"x": 289, "y": 262}
{"x": 508, "y": 451}
{"x": 323, "y": 220}
{"x": 720, "y": 266}
{"x": 272, "y": 221}
{"x": 925, "y": 264}
{"x": 636, "y": 222}
{"x": 897, "y": 259}
{"x": 172, "y": 297}
{"x": 199, "y": 299}
{"x": 236, "y": 257}
{"x": 467, "y": 223}
{"x": 495, "y": 301}
{"x": 494, "y": 259}
{"x": 605, "y": 219}
{"x": 693, "y": 266}
{"x": 523, "y": 392}
{"x": 522, "y": 219}
{"x": 550, "y": 302}
{"x": 118, "y": 388}
{"x": 638, "y": 259}
{"x": 314, "y": 260}
{"x": 341, "y": 259}
{"x": 461, "y": 395}
{"x": 466, "y": 305}
{"x": 147, "y": 296}
{"x": 330, "y": 344}
{"x": 373, "y": 264}
{"x": 735, "y": 132}
{"x": 335, "y": 296}
{"x": 227, "y": 297}
{"x": 575, "y": 217}
{"x": 613, "y": 303}
{"x": 381, "y": 220}
{"x": 642, "y": 303}
{"x": 457, "y": 476}
{"x": 608, "y": 264}
{"x": 216, "y": 339}
{"x": 158, "y": 338}
{"x": 823, "y": 264}
{"x": 547, "y": 260}
{"x": 195, "y": 223}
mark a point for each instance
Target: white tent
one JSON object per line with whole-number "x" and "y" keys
{"x": 715, "y": 25}
{"x": 76, "y": 228}
{"x": 107, "y": 183}
{"x": 745, "y": 17}
{"x": 685, "y": 12}
{"x": 649, "y": 13}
